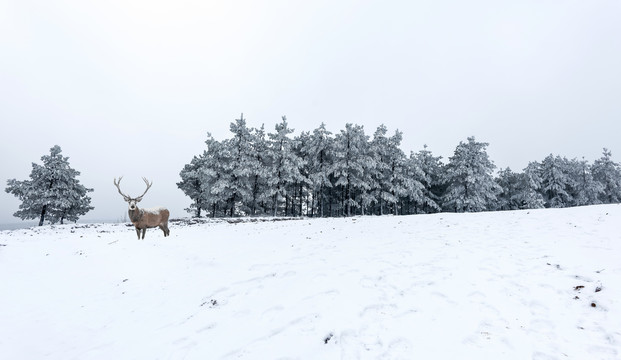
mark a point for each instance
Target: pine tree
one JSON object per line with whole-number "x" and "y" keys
{"x": 53, "y": 192}
{"x": 380, "y": 149}
{"x": 258, "y": 170}
{"x": 320, "y": 158}
{"x": 352, "y": 164}
{"x": 608, "y": 173}
{"x": 192, "y": 184}
{"x": 403, "y": 184}
{"x": 427, "y": 170}
{"x": 388, "y": 172}
{"x": 414, "y": 190}
{"x": 239, "y": 165}
{"x": 509, "y": 182}
{"x": 529, "y": 195}
{"x": 286, "y": 165}
{"x": 586, "y": 190}
{"x": 471, "y": 187}
{"x": 213, "y": 176}
{"x": 556, "y": 182}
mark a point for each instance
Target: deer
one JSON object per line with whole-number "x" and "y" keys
{"x": 144, "y": 219}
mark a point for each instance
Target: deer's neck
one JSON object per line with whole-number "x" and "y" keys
{"x": 135, "y": 215}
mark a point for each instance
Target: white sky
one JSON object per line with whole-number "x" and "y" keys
{"x": 132, "y": 87}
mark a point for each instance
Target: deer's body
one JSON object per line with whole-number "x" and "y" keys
{"x": 144, "y": 219}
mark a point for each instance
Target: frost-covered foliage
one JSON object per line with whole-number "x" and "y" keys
{"x": 471, "y": 186}
{"x": 608, "y": 173}
{"x": 285, "y": 171}
{"x": 319, "y": 150}
{"x": 587, "y": 190}
{"x": 510, "y": 185}
{"x": 236, "y": 185}
{"x": 528, "y": 189}
{"x": 53, "y": 192}
{"x": 556, "y": 181}
{"x": 192, "y": 184}
{"x": 351, "y": 167}
{"x": 390, "y": 172}
{"x": 427, "y": 170}
{"x": 259, "y": 173}
{"x": 318, "y": 173}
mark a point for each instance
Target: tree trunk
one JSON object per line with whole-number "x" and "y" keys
{"x": 43, "y": 215}
{"x": 286, "y": 205}
{"x": 344, "y": 196}
{"x": 301, "y": 198}
{"x": 396, "y": 205}
{"x": 255, "y": 190}
{"x": 348, "y": 196}
{"x": 233, "y": 205}
{"x": 321, "y": 200}
{"x": 331, "y": 201}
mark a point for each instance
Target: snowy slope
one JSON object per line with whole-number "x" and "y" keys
{"x": 538, "y": 284}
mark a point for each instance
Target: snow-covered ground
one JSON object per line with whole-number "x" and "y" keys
{"x": 538, "y": 284}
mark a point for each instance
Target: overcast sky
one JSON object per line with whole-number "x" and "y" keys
{"x": 132, "y": 87}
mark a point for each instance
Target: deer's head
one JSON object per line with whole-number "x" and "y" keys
{"x": 132, "y": 202}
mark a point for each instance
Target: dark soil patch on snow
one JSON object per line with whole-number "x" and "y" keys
{"x": 202, "y": 221}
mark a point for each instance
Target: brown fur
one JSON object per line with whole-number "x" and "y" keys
{"x": 144, "y": 219}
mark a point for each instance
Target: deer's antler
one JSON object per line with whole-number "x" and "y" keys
{"x": 148, "y": 187}
{"x": 116, "y": 183}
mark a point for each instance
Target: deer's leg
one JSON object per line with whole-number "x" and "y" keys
{"x": 138, "y": 232}
{"x": 144, "y": 231}
{"x": 165, "y": 228}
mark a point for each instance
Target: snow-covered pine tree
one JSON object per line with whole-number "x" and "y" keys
{"x": 214, "y": 177}
{"x": 388, "y": 173}
{"x": 529, "y": 194}
{"x": 319, "y": 148}
{"x": 381, "y": 152}
{"x": 301, "y": 189}
{"x": 352, "y": 167}
{"x": 53, "y": 192}
{"x": 414, "y": 189}
{"x": 74, "y": 201}
{"x": 286, "y": 165}
{"x": 428, "y": 170}
{"x": 556, "y": 183}
{"x": 608, "y": 173}
{"x": 238, "y": 167}
{"x": 259, "y": 169}
{"x": 403, "y": 185}
{"x": 510, "y": 183}
{"x": 471, "y": 187}
{"x": 586, "y": 190}
{"x": 192, "y": 186}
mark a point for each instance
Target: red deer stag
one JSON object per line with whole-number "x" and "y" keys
{"x": 144, "y": 219}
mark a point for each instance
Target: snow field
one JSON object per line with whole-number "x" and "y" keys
{"x": 510, "y": 285}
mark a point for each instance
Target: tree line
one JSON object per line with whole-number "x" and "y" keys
{"x": 320, "y": 174}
